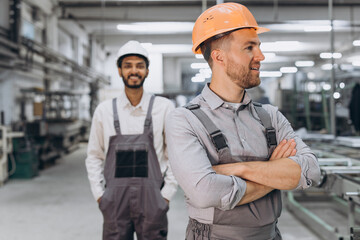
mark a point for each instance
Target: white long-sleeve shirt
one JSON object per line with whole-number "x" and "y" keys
{"x": 132, "y": 120}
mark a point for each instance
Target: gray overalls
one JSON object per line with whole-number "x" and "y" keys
{"x": 132, "y": 200}
{"x": 253, "y": 221}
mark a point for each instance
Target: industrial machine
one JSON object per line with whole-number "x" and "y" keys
{"x": 332, "y": 209}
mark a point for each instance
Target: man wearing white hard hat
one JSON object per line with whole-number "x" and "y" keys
{"x": 127, "y": 162}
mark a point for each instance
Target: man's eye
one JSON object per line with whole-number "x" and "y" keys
{"x": 249, "y": 48}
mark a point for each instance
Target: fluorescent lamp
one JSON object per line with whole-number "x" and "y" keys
{"x": 199, "y": 65}
{"x": 270, "y": 74}
{"x": 199, "y": 56}
{"x": 356, "y": 43}
{"x": 269, "y": 55}
{"x": 304, "y": 63}
{"x": 318, "y": 28}
{"x": 146, "y": 45}
{"x": 203, "y": 75}
{"x": 327, "y": 55}
{"x": 157, "y": 27}
{"x": 205, "y": 70}
{"x": 356, "y": 63}
{"x": 326, "y": 67}
{"x": 197, "y": 79}
{"x": 281, "y": 46}
{"x": 288, "y": 69}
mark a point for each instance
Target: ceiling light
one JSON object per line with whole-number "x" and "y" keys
{"x": 281, "y": 46}
{"x": 197, "y": 79}
{"x": 199, "y": 56}
{"x": 311, "y": 86}
{"x": 146, "y": 45}
{"x": 270, "y": 74}
{"x": 269, "y": 55}
{"x": 356, "y": 43}
{"x": 311, "y": 75}
{"x": 337, "y": 95}
{"x": 203, "y": 75}
{"x": 288, "y": 69}
{"x": 157, "y": 27}
{"x": 328, "y": 55}
{"x": 324, "y": 28}
{"x": 341, "y": 85}
{"x": 199, "y": 65}
{"x": 356, "y": 63}
{"x": 326, "y": 86}
{"x": 205, "y": 71}
{"x": 304, "y": 63}
{"x": 326, "y": 67}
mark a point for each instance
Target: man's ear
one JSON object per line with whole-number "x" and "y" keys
{"x": 147, "y": 72}
{"x": 119, "y": 70}
{"x": 217, "y": 56}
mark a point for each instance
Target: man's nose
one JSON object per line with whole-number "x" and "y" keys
{"x": 134, "y": 69}
{"x": 259, "y": 56}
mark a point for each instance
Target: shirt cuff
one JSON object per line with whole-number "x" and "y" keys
{"x": 231, "y": 200}
{"x": 97, "y": 192}
{"x": 168, "y": 191}
{"x": 304, "y": 182}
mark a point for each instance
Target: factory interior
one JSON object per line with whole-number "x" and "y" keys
{"x": 58, "y": 62}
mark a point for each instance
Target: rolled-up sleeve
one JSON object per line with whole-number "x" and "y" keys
{"x": 310, "y": 170}
{"x": 192, "y": 168}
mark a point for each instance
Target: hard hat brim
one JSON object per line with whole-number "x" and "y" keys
{"x": 196, "y": 48}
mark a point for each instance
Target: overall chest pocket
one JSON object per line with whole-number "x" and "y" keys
{"x": 131, "y": 161}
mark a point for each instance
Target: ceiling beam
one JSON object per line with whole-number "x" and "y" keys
{"x": 249, "y": 3}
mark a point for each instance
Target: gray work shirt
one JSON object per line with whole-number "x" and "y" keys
{"x": 191, "y": 151}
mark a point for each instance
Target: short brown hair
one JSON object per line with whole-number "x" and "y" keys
{"x": 214, "y": 42}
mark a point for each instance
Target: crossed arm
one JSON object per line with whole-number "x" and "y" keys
{"x": 262, "y": 177}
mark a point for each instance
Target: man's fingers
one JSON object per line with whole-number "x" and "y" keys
{"x": 284, "y": 149}
{"x": 288, "y": 152}
{"x": 277, "y": 149}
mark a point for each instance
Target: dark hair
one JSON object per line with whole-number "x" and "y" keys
{"x": 120, "y": 59}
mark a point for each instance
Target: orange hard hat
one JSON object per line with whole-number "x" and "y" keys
{"x": 222, "y": 18}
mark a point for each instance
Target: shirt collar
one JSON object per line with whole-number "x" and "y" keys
{"x": 215, "y": 101}
{"x": 124, "y": 101}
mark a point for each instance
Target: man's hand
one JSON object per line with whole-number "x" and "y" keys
{"x": 285, "y": 149}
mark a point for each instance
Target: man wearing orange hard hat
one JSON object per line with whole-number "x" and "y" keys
{"x": 230, "y": 155}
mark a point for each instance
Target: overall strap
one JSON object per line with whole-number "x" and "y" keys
{"x": 216, "y": 135}
{"x": 148, "y": 115}
{"x": 116, "y": 117}
{"x": 266, "y": 121}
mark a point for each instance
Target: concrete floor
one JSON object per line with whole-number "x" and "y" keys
{"x": 58, "y": 205}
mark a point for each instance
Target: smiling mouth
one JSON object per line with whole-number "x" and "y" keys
{"x": 257, "y": 69}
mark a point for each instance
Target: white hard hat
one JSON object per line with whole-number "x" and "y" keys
{"x": 132, "y": 47}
